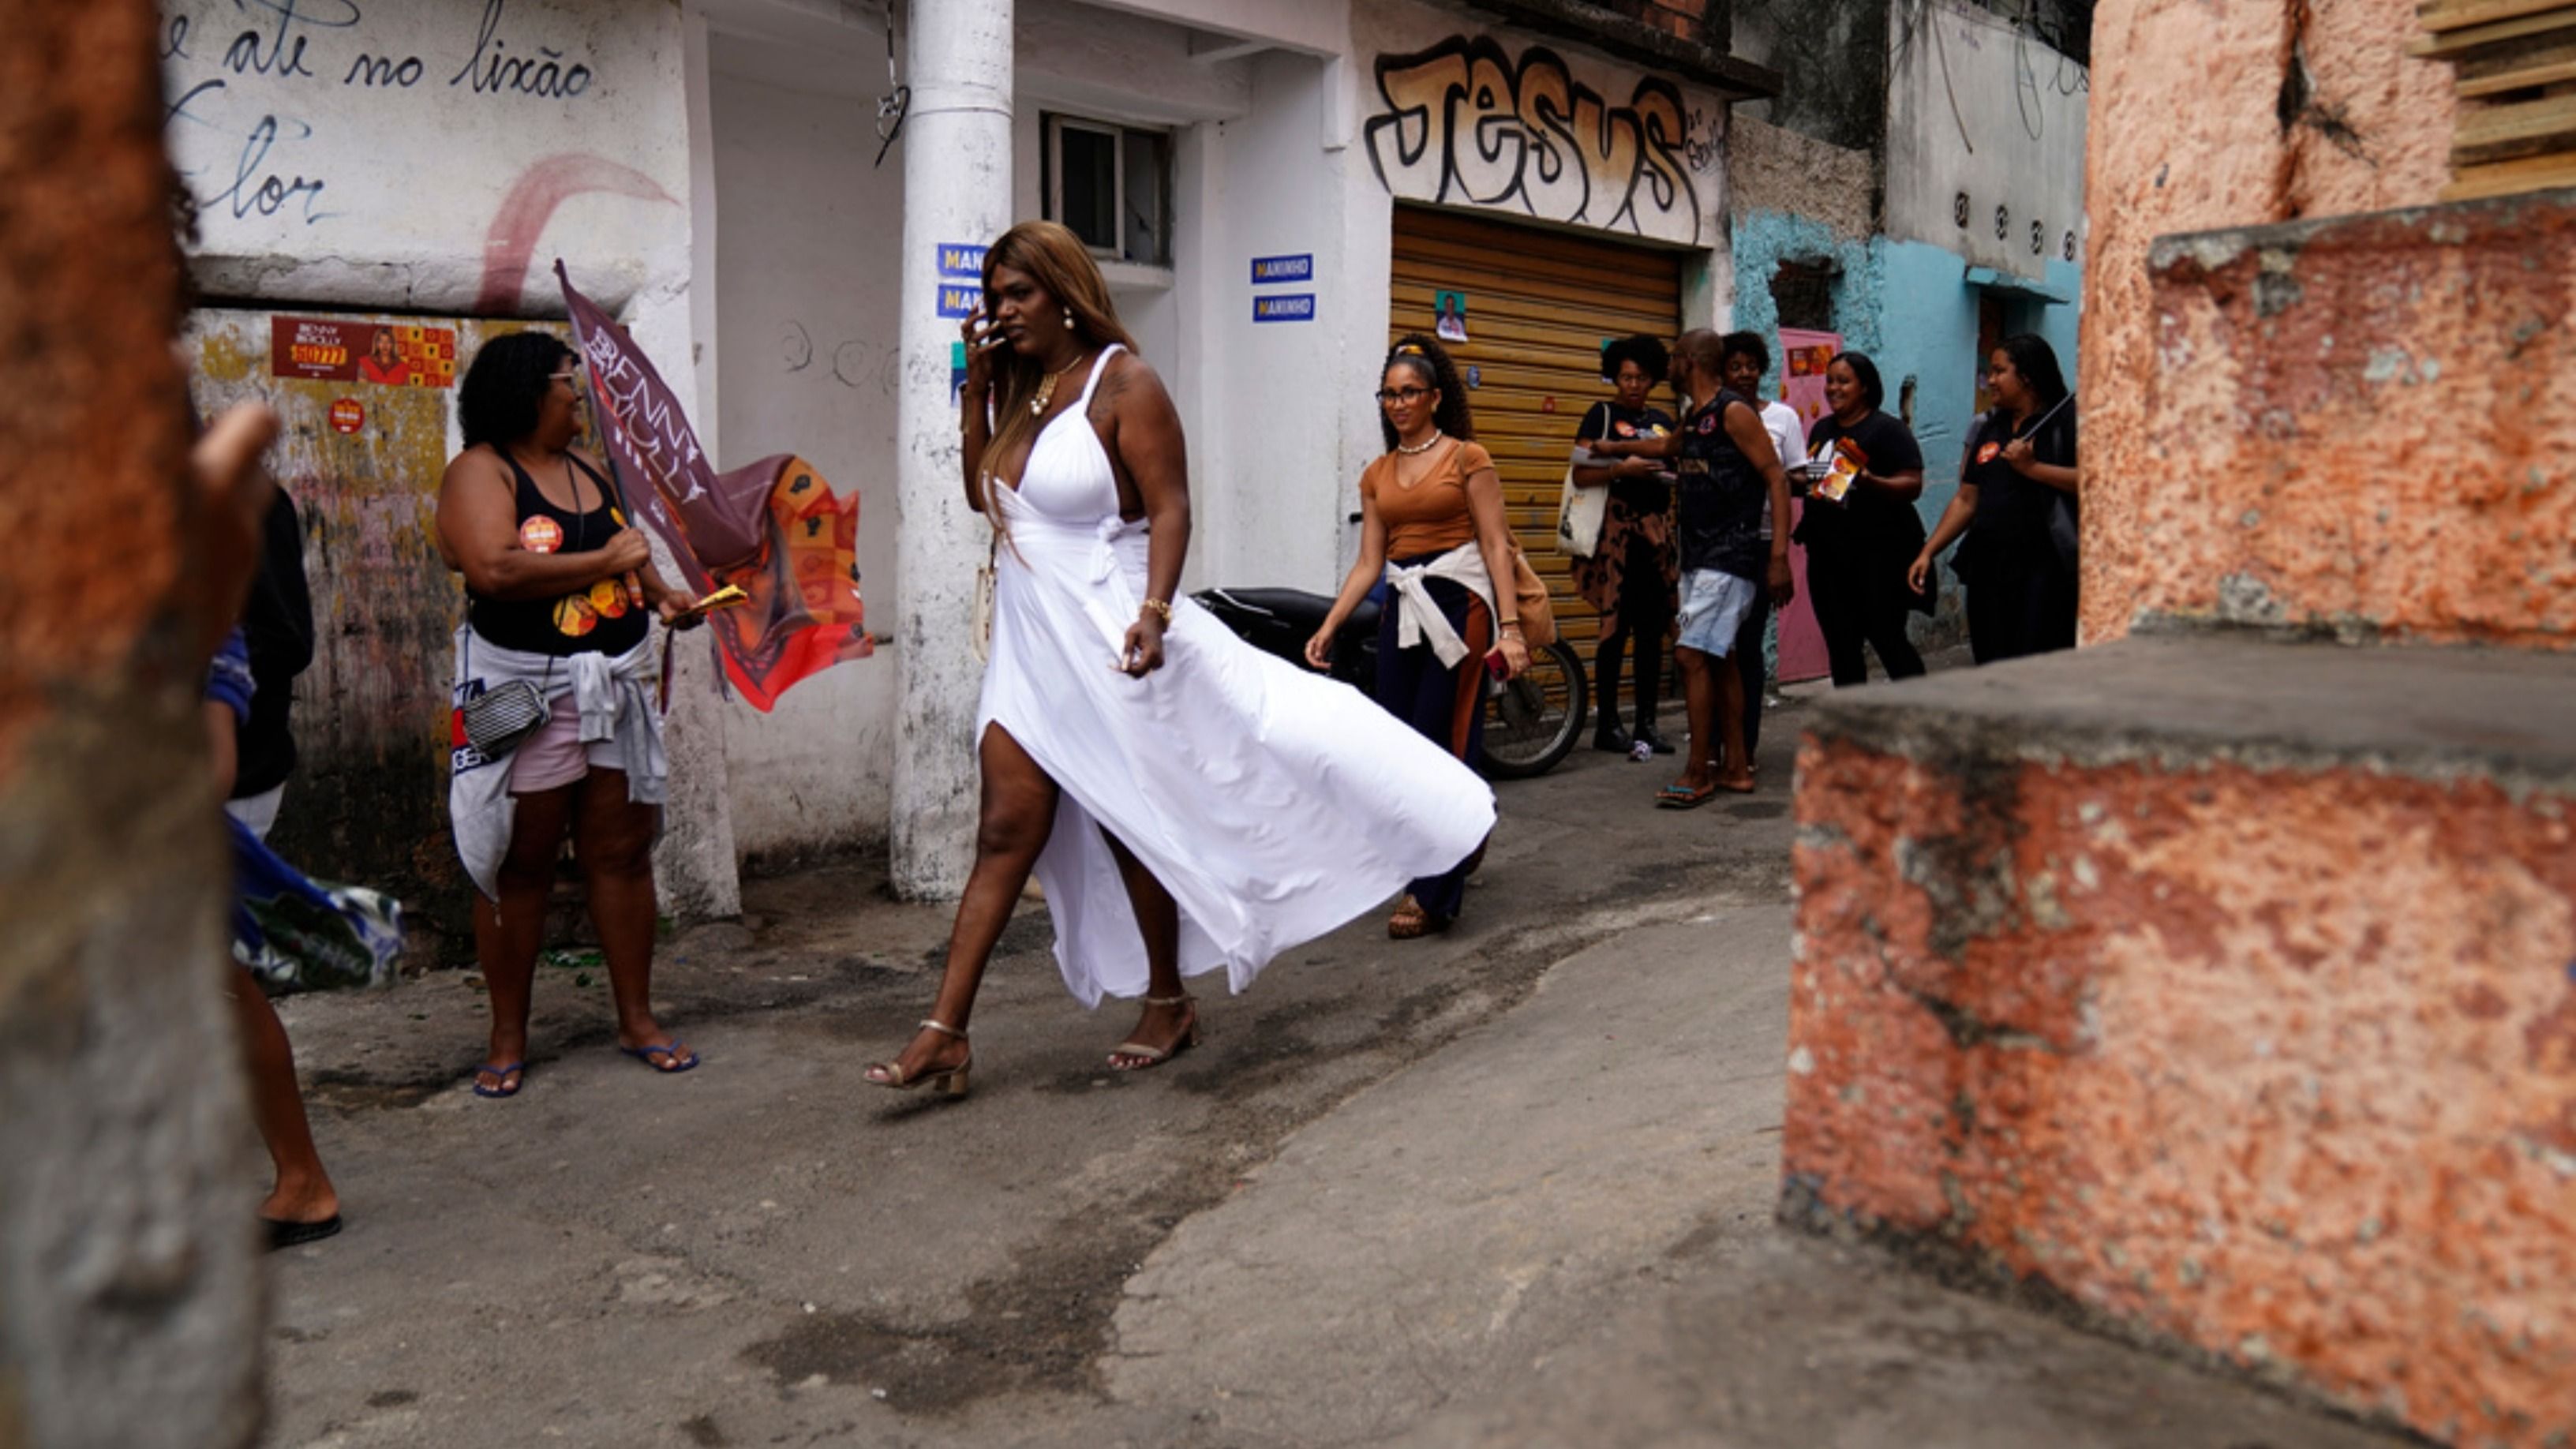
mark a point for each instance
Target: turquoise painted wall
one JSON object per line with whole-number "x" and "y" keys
{"x": 1909, "y": 306}
{"x": 1765, "y": 239}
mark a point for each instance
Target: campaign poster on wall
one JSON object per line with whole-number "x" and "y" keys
{"x": 1804, "y": 356}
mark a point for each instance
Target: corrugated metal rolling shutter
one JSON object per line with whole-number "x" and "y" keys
{"x": 1539, "y": 305}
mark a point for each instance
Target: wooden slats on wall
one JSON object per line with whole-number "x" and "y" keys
{"x": 1539, "y": 304}
{"x": 2516, "y": 84}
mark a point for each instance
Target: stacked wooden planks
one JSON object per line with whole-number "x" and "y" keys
{"x": 2516, "y": 64}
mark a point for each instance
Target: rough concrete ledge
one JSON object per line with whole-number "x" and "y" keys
{"x": 2523, "y": 219}
{"x": 2219, "y": 990}
{"x": 2175, "y": 700}
{"x": 2357, "y": 424}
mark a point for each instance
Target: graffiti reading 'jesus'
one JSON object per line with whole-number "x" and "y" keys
{"x": 1462, "y": 123}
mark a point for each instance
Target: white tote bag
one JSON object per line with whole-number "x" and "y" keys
{"x": 1578, "y": 516}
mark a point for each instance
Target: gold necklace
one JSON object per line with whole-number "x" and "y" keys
{"x": 1422, "y": 447}
{"x": 1046, "y": 387}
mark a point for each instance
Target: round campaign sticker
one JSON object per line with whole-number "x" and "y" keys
{"x": 541, "y": 534}
{"x": 347, "y": 416}
{"x": 608, "y": 598}
{"x": 1987, "y": 453}
{"x": 574, "y": 616}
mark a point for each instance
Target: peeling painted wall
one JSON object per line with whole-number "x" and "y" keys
{"x": 368, "y": 800}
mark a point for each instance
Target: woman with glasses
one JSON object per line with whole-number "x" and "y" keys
{"x": 1431, "y": 516}
{"x": 560, "y": 594}
{"x": 2017, "y": 480}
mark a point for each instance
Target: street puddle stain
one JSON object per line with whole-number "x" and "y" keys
{"x": 348, "y": 1093}
{"x": 1041, "y": 1325}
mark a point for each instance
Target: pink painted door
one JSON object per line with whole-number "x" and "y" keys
{"x": 1802, "y": 385}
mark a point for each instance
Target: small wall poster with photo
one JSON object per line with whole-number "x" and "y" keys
{"x": 1450, "y": 320}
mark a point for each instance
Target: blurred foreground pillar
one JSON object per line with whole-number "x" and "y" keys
{"x": 129, "y": 1291}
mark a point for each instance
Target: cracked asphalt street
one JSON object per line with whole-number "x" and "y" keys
{"x": 1512, "y": 1185}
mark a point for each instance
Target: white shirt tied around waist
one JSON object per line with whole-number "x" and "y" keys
{"x": 614, "y": 697}
{"x": 1418, "y": 615}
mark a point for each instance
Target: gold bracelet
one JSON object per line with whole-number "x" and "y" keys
{"x": 1159, "y": 607}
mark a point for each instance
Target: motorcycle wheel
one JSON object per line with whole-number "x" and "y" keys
{"x": 1533, "y": 720}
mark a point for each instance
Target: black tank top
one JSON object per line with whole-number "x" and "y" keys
{"x": 596, "y": 618}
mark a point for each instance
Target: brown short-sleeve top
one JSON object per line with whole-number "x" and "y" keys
{"x": 1432, "y": 516}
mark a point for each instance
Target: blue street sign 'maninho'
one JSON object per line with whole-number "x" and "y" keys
{"x": 1299, "y": 268}
{"x": 1284, "y": 307}
{"x": 961, "y": 259}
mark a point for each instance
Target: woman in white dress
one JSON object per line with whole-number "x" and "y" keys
{"x": 1188, "y": 802}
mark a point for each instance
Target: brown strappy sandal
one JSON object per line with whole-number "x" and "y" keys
{"x": 946, "y": 1081}
{"x": 1411, "y": 922}
{"x": 1153, "y": 1056}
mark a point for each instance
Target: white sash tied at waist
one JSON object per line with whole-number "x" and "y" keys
{"x": 612, "y": 694}
{"x": 1418, "y": 615}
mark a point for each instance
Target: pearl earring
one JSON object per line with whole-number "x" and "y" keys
{"x": 1068, "y": 319}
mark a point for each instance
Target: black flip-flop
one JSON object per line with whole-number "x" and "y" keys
{"x": 1672, "y": 797}
{"x": 283, "y": 1234}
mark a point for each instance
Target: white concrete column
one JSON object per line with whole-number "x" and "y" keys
{"x": 956, "y": 189}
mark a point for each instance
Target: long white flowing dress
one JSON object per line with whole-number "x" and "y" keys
{"x": 1274, "y": 803}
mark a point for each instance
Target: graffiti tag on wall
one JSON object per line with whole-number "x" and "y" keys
{"x": 1462, "y": 122}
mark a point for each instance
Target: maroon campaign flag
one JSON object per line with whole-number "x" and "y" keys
{"x": 773, "y": 528}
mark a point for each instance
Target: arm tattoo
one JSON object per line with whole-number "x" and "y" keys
{"x": 1104, "y": 398}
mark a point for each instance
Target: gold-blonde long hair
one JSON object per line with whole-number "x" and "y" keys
{"x": 1057, "y": 261}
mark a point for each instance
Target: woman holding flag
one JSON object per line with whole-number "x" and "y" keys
{"x": 560, "y": 592}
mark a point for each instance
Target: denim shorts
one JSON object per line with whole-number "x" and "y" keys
{"x": 1714, "y": 606}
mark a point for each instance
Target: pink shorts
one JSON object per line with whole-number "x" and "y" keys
{"x": 554, "y": 756}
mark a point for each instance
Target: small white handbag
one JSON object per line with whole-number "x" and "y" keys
{"x": 1578, "y": 516}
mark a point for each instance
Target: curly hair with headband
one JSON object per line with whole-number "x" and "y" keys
{"x": 1430, "y": 363}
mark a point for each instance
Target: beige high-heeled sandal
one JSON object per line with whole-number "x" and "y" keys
{"x": 1154, "y": 1056}
{"x": 946, "y": 1081}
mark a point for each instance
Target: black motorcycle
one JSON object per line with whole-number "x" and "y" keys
{"x": 1531, "y": 721}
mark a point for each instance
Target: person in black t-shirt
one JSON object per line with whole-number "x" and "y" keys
{"x": 2018, "y": 474}
{"x": 1726, "y": 467}
{"x": 552, "y": 568}
{"x": 1858, "y": 549}
{"x": 1631, "y": 573}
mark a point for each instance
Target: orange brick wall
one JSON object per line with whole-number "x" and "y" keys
{"x": 2362, "y": 425}
{"x": 2372, "y": 132}
{"x": 2146, "y": 1034}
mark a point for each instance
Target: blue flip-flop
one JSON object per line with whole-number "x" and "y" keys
{"x": 673, "y": 1051}
{"x": 501, "y": 1073}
